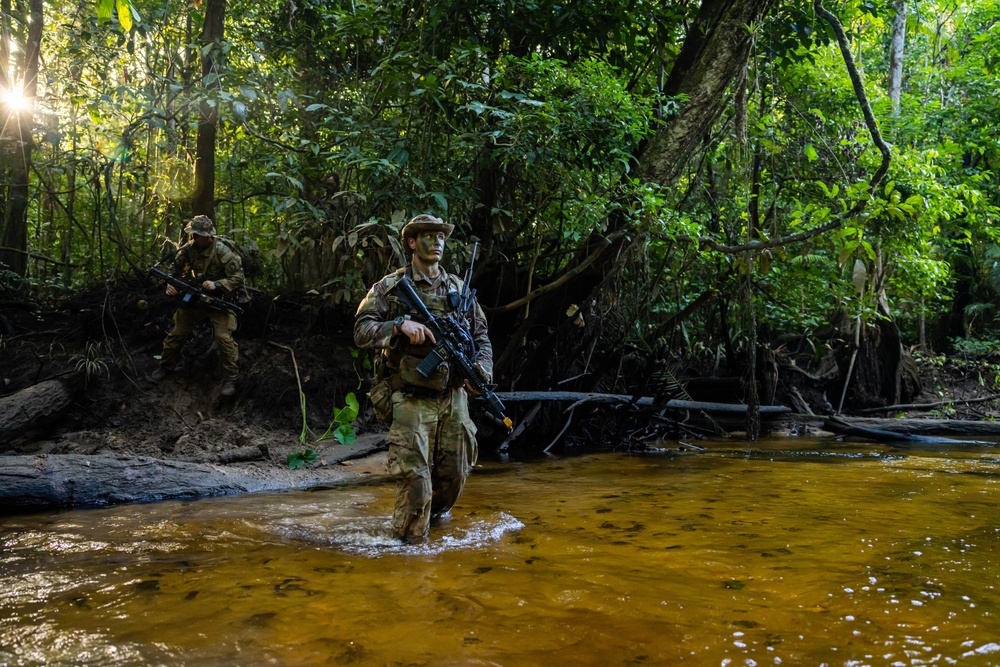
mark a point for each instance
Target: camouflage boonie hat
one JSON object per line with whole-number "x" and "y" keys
{"x": 201, "y": 225}
{"x": 425, "y": 223}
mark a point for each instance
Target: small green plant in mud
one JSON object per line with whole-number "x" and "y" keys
{"x": 340, "y": 429}
{"x": 301, "y": 459}
{"x": 92, "y": 363}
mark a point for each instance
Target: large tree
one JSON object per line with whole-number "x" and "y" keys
{"x": 18, "y": 87}
{"x": 212, "y": 63}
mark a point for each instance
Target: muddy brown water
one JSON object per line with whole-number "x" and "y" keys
{"x": 791, "y": 552}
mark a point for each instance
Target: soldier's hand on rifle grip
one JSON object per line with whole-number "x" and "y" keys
{"x": 171, "y": 290}
{"x": 208, "y": 285}
{"x": 472, "y": 390}
{"x": 416, "y": 332}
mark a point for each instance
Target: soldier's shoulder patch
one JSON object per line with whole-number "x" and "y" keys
{"x": 391, "y": 280}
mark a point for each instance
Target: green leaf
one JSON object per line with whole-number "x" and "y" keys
{"x": 345, "y": 435}
{"x": 349, "y": 412}
{"x": 104, "y": 8}
{"x": 810, "y": 152}
{"x": 301, "y": 459}
{"x": 124, "y": 14}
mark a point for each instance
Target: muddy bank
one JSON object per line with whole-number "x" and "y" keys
{"x": 83, "y": 423}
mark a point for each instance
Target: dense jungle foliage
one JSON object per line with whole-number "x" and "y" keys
{"x": 649, "y": 181}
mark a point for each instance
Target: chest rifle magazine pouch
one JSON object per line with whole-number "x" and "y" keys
{"x": 437, "y": 380}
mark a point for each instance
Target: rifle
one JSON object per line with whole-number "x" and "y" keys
{"x": 454, "y": 344}
{"x": 191, "y": 295}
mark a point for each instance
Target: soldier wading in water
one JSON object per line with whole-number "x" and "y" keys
{"x": 214, "y": 267}
{"x": 432, "y": 440}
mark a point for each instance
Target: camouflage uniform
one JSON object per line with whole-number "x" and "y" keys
{"x": 220, "y": 263}
{"x": 432, "y": 440}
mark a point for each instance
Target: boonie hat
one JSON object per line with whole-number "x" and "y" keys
{"x": 425, "y": 223}
{"x": 201, "y": 225}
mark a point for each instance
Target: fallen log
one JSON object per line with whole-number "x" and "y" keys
{"x": 29, "y": 412}
{"x": 579, "y": 398}
{"x": 928, "y": 406}
{"x": 954, "y": 427}
{"x": 843, "y": 427}
{"x": 75, "y": 480}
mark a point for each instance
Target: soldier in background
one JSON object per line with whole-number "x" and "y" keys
{"x": 210, "y": 264}
{"x": 432, "y": 439}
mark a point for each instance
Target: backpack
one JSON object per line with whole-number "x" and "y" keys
{"x": 249, "y": 254}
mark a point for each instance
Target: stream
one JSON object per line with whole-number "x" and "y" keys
{"x": 787, "y": 552}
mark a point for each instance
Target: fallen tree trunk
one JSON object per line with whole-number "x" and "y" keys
{"x": 954, "y": 427}
{"x": 842, "y": 427}
{"x": 579, "y": 398}
{"x": 30, "y": 411}
{"x": 927, "y": 406}
{"x": 76, "y": 480}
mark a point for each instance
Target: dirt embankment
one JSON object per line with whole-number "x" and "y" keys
{"x": 77, "y": 397}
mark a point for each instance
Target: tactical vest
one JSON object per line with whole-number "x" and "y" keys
{"x": 208, "y": 265}
{"x": 400, "y": 361}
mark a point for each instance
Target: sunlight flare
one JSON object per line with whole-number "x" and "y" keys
{"x": 15, "y": 99}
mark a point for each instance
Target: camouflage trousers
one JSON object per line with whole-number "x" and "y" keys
{"x": 223, "y": 325}
{"x": 432, "y": 448}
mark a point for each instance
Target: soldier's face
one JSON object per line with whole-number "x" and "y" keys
{"x": 202, "y": 241}
{"x": 428, "y": 246}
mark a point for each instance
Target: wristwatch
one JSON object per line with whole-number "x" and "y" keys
{"x": 397, "y": 324}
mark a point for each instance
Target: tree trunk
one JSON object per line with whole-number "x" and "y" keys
{"x": 203, "y": 202}
{"x": 716, "y": 50}
{"x": 31, "y": 411}
{"x": 896, "y": 54}
{"x": 546, "y": 346}
{"x": 16, "y": 136}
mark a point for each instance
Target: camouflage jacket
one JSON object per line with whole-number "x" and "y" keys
{"x": 374, "y": 320}
{"x": 216, "y": 262}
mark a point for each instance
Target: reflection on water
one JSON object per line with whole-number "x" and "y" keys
{"x": 773, "y": 555}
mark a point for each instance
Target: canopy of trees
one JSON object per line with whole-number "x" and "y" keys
{"x": 648, "y": 180}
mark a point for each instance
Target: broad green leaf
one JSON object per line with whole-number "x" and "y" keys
{"x": 125, "y": 14}
{"x": 345, "y": 435}
{"x": 104, "y": 8}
